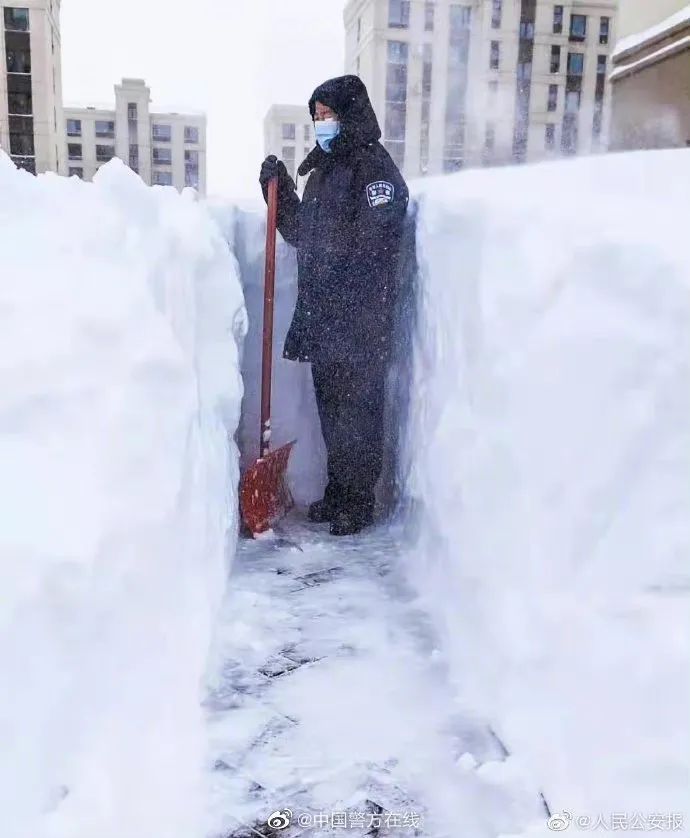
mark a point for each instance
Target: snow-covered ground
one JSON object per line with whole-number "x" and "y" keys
{"x": 550, "y": 445}
{"x": 120, "y": 313}
{"x": 522, "y": 630}
{"x": 330, "y": 700}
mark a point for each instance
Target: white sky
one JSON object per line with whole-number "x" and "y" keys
{"x": 230, "y": 58}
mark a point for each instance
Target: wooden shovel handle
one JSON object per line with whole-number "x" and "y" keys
{"x": 269, "y": 295}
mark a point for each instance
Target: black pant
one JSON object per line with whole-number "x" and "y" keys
{"x": 350, "y": 399}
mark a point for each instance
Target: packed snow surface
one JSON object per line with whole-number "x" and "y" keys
{"x": 550, "y": 447}
{"x": 330, "y": 700}
{"x": 120, "y": 314}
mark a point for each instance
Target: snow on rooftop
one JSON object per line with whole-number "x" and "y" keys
{"x": 91, "y": 106}
{"x": 159, "y": 110}
{"x": 652, "y": 58}
{"x": 654, "y": 32}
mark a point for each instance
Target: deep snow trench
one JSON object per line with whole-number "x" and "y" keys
{"x": 331, "y": 700}
{"x": 519, "y": 637}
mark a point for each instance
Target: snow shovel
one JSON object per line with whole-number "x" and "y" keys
{"x": 264, "y": 494}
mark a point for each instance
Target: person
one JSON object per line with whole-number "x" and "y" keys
{"x": 347, "y": 230}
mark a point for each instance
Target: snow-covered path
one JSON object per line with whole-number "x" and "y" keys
{"x": 330, "y": 698}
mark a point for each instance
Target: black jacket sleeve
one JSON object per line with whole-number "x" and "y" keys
{"x": 288, "y": 211}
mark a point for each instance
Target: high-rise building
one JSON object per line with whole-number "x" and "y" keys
{"x": 485, "y": 81}
{"x": 31, "y": 85}
{"x": 164, "y": 148}
{"x": 651, "y": 76}
{"x": 289, "y": 134}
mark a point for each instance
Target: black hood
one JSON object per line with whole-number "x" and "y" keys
{"x": 348, "y": 97}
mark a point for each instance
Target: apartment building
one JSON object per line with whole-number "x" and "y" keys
{"x": 163, "y": 147}
{"x": 483, "y": 82}
{"x": 650, "y": 81}
{"x": 31, "y": 85}
{"x": 289, "y": 134}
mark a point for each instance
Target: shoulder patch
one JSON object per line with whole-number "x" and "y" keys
{"x": 380, "y": 192}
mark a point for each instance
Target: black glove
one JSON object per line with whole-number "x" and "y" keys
{"x": 270, "y": 168}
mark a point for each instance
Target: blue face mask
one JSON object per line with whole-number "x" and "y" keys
{"x": 326, "y": 131}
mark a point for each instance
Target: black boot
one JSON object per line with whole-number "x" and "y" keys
{"x": 324, "y": 510}
{"x": 356, "y": 514}
{"x": 345, "y": 523}
{"x": 320, "y": 512}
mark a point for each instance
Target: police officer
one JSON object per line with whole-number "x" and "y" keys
{"x": 348, "y": 231}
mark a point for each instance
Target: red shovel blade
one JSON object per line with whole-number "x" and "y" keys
{"x": 264, "y": 495}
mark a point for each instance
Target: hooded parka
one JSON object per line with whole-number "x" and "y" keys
{"x": 347, "y": 230}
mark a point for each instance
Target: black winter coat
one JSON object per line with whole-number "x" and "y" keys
{"x": 347, "y": 230}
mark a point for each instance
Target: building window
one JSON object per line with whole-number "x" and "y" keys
{"x": 527, "y": 30}
{"x": 427, "y": 74}
{"x": 22, "y": 136}
{"x": 74, "y": 151}
{"x": 76, "y": 171}
{"x": 495, "y": 59}
{"x": 550, "y": 137}
{"x": 578, "y": 27}
{"x": 396, "y": 100}
{"x": 557, "y": 20}
{"x": 604, "y": 30}
{"x": 396, "y": 75}
{"x": 576, "y": 63}
{"x": 399, "y": 14}
{"x": 456, "y": 100}
{"x": 16, "y": 20}
{"x": 161, "y": 178}
{"x": 429, "y": 12}
{"x": 74, "y": 127}
{"x": 288, "y": 157}
{"x": 191, "y": 134}
{"x": 162, "y": 133}
{"x": 134, "y": 157}
{"x": 132, "y": 111}
{"x": 26, "y": 163}
{"x": 396, "y": 117}
{"x": 524, "y": 71}
{"x": 460, "y": 18}
{"x": 191, "y": 169}
{"x": 553, "y": 98}
{"x": 572, "y": 101}
{"x": 19, "y": 103}
{"x": 19, "y": 60}
{"x": 105, "y": 128}
{"x": 162, "y": 156}
{"x": 104, "y": 153}
{"x": 496, "y": 11}
{"x": 490, "y": 137}
{"x": 555, "y": 59}
{"x": 569, "y": 134}
{"x": 599, "y": 98}
{"x": 288, "y": 129}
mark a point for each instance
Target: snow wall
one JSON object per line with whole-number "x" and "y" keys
{"x": 121, "y": 315}
{"x": 549, "y": 446}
